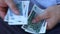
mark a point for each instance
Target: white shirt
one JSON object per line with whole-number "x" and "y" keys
{"x": 47, "y": 3}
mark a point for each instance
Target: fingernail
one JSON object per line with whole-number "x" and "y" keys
{"x": 33, "y": 21}
{"x": 17, "y": 12}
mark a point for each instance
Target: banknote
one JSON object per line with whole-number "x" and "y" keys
{"x": 6, "y": 17}
{"x": 39, "y": 27}
{"x": 34, "y": 27}
{"x": 21, "y": 19}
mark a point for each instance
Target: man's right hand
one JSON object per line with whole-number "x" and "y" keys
{"x": 52, "y": 16}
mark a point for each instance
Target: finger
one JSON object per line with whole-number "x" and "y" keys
{"x": 12, "y": 5}
{"x": 40, "y": 17}
{"x": 36, "y": 19}
{"x": 3, "y": 12}
{"x": 51, "y": 22}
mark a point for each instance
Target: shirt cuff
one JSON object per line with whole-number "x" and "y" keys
{"x": 58, "y": 2}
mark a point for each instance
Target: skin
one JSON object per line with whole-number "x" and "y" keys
{"x": 4, "y": 4}
{"x": 51, "y": 14}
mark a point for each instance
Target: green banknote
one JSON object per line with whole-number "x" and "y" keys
{"x": 33, "y": 27}
{"x": 38, "y": 27}
{"x": 21, "y": 19}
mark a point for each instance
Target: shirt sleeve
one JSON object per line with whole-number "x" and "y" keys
{"x": 58, "y": 2}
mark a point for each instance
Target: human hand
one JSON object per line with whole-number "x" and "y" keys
{"x": 4, "y": 4}
{"x": 52, "y": 16}
{"x": 12, "y": 5}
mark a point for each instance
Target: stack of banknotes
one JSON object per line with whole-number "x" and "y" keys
{"x": 26, "y": 20}
{"x": 35, "y": 28}
{"x": 14, "y": 19}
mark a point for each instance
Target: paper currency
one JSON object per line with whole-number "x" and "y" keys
{"x": 6, "y": 17}
{"x": 39, "y": 27}
{"x": 34, "y": 27}
{"x": 21, "y": 19}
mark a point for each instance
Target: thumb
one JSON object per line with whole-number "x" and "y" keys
{"x": 45, "y": 15}
{"x": 12, "y": 5}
